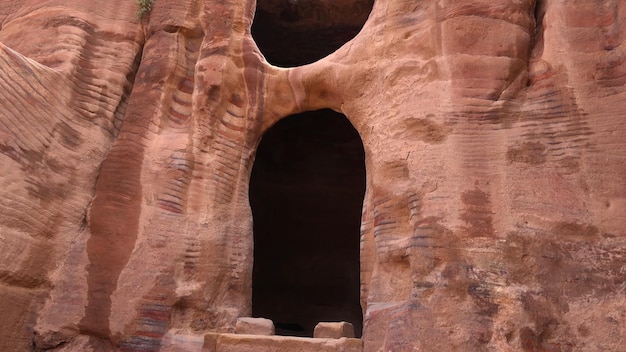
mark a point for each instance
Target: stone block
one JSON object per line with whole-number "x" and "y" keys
{"x": 325, "y": 330}
{"x": 215, "y": 342}
{"x": 254, "y": 326}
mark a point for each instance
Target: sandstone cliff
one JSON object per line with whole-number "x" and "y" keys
{"x": 494, "y": 136}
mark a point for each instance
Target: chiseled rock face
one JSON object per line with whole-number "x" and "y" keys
{"x": 495, "y": 145}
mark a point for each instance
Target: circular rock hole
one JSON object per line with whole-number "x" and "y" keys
{"x": 298, "y": 32}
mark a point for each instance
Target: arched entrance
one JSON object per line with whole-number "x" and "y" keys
{"x": 306, "y": 193}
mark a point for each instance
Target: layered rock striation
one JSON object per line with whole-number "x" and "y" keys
{"x": 494, "y": 136}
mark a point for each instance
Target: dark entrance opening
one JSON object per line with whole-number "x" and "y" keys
{"x": 297, "y": 32}
{"x": 306, "y": 193}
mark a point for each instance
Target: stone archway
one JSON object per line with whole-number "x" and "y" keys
{"x": 306, "y": 193}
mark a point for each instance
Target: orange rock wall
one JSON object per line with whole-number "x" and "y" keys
{"x": 495, "y": 144}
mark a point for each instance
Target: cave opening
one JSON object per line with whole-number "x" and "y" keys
{"x": 298, "y": 32}
{"x": 306, "y": 192}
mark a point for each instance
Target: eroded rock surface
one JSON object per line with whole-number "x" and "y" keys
{"x": 254, "y": 326}
{"x": 495, "y": 148}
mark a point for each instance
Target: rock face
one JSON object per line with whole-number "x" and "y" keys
{"x": 494, "y": 138}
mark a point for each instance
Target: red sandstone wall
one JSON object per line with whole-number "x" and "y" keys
{"x": 495, "y": 145}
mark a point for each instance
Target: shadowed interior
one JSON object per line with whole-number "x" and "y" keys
{"x": 298, "y": 32}
{"x": 306, "y": 194}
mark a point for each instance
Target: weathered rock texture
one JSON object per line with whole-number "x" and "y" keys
{"x": 334, "y": 330}
{"x": 495, "y": 143}
{"x": 254, "y": 326}
{"x": 252, "y": 343}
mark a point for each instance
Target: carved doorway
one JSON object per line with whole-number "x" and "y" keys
{"x": 306, "y": 193}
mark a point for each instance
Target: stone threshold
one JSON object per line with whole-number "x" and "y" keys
{"x": 219, "y": 342}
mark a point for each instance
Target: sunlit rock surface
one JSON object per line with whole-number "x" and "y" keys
{"x": 494, "y": 138}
